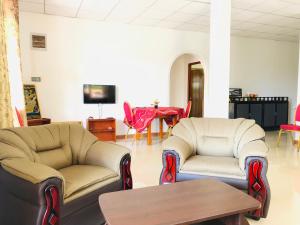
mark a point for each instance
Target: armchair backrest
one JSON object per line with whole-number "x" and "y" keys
{"x": 216, "y": 136}
{"x": 55, "y": 145}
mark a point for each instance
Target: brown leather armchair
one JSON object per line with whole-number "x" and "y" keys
{"x": 53, "y": 174}
{"x": 230, "y": 150}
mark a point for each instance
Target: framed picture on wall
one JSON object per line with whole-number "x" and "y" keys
{"x": 31, "y": 102}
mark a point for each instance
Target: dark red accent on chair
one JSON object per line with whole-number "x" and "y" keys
{"x": 51, "y": 216}
{"x": 126, "y": 174}
{"x": 169, "y": 171}
{"x": 257, "y": 188}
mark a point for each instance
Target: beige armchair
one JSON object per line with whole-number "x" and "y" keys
{"x": 53, "y": 174}
{"x": 230, "y": 150}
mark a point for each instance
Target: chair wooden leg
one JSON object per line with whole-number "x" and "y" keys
{"x": 170, "y": 131}
{"x": 298, "y": 144}
{"x": 292, "y": 137}
{"x": 149, "y": 137}
{"x": 137, "y": 135}
{"x": 126, "y": 135}
{"x": 279, "y": 137}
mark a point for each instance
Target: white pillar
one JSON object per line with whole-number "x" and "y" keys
{"x": 298, "y": 91}
{"x": 296, "y": 135}
{"x": 298, "y": 87}
{"x": 219, "y": 59}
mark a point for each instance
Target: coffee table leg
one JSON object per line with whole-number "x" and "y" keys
{"x": 238, "y": 219}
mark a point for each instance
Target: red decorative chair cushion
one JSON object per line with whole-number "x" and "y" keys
{"x": 290, "y": 127}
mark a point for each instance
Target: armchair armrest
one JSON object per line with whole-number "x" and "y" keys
{"x": 252, "y": 149}
{"x": 34, "y": 190}
{"x": 105, "y": 154}
{"x": 30, "y": 171}
{"x": 253, "y": 160}
{"x": 182, "y": 148}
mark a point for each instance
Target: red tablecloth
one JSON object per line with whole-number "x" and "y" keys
{"x": 143, "y": 116}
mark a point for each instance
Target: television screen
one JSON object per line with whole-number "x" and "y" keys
{"x": 99, "y": 94}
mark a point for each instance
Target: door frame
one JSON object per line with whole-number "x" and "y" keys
{"x": 189, "y": 83}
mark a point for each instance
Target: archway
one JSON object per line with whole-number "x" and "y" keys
{"x": 187, "y": 83}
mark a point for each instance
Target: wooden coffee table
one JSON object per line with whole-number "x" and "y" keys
{"x": 183, "y": 203}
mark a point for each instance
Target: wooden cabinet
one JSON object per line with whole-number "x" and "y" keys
{"x": 268, "y": 112}
{"x": 103, "y": 129}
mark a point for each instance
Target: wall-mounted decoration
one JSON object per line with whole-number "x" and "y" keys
{"x": 38, "y": 41}
{"x": 36, "y": 79}
{"x": 31, "y": 102}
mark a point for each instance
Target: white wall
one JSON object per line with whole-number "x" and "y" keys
{"x": 136, "y": 59}
{"x": 179, "y": 80}
{"x": 265, "y": 67}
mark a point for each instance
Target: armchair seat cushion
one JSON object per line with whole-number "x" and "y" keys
{"x": 213, "y": 166}
{"x": 80, "y": 177}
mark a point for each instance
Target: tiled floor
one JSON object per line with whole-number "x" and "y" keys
{"x": 283, "y": 175}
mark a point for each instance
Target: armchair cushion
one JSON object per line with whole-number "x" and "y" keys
{"x": 79, "y": 177}
{"x": 255, "y": 149}
{"x": 213, "y": 166}
{"x": 30, "y": 171}
{"x": 178, "y": 145}
{"x": 107, "y": 155}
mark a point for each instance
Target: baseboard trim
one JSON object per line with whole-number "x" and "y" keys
{"x": 154, "y": 134}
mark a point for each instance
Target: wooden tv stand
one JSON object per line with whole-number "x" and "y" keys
{"x": 103, "y": 129}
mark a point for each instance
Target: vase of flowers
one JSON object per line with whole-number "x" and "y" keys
{"x": 155, "y": 103}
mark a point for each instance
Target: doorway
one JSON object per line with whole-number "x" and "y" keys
{"x": 196, "y": 88}
{"x": 183, "y": 68}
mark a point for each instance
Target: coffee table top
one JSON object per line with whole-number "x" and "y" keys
{"x": 180, "y": 203}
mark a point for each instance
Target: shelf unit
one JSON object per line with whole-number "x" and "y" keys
{"x": 268, "y": 112}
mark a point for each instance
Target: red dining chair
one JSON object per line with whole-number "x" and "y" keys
{"x": 20, "y": 118}
{"x": 129, "y": 118}
{"x": 291, "y": 127}
{"x": 188, "y": 110}
{"x": 186, "y": 114}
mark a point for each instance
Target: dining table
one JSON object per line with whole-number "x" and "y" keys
{"x": 145, "y": 115}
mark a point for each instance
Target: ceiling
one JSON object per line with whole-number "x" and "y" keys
{"x": 269, "y": 19}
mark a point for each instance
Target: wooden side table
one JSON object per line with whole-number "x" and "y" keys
{"x": 103, "y": 129}
{"x": 37, "y": 122}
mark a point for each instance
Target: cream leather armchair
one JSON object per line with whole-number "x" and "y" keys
{"x": 230, "y": 150}
{"x": 53, "y": 174}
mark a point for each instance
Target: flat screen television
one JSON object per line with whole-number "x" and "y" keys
{"x": 99, "y": 94}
